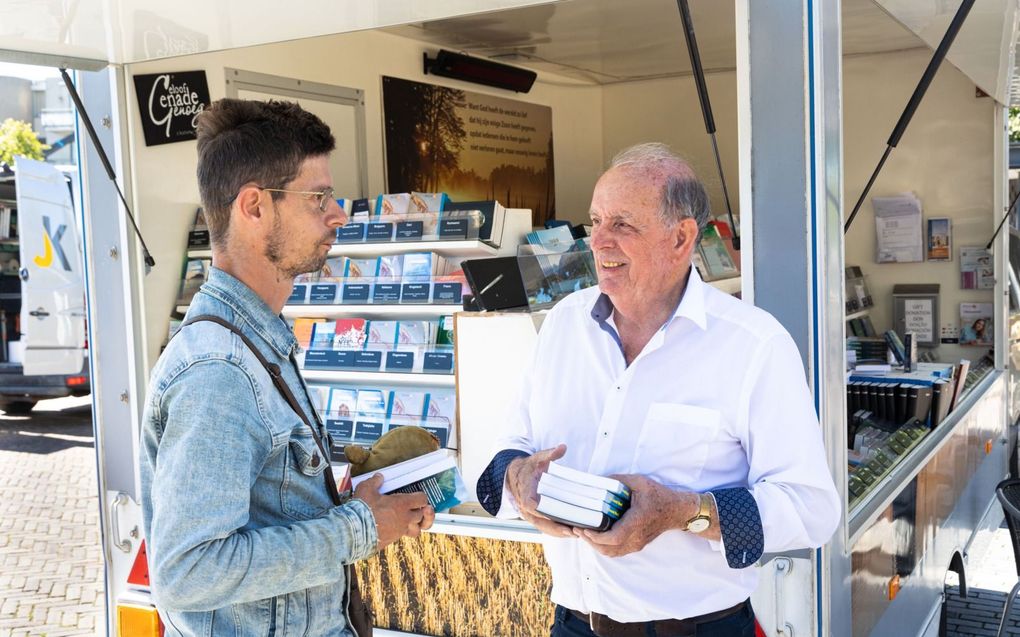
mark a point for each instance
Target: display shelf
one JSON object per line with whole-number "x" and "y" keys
{"x": 370, "y": 311}
{"x": 380, "y": 378}
{"x": 858, "y": 314}
{"x": 470, "y": 248}
{"x": 729, "y": 286}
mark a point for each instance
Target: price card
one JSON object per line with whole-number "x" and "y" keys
{"x": 453, "y": 228}
{"x": 399, "y": 361}
{"x": 356, "y": 292}
{"x": 350, "y": 233}
{"x": 323, "y": 293}
{"x": 415, "y": 292}
{"x": 438, "y": 363}
{"x": 380, "y": 231}
{"x": 298, "y": 294}
{"x": 409, "y": 230}
{"x": 446, "y": 292}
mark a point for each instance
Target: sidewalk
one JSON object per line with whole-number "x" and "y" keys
{"x": 51, "y": 575}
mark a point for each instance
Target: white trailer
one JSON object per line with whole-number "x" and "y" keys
{"x": 805, "y": 92}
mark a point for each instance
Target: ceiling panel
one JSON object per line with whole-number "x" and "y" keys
{"x": 607, "y": 41}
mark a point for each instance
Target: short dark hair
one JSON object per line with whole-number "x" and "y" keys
{"x": 242, "y": 141}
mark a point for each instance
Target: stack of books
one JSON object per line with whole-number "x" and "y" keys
{"x": 435, "y": 474}
{"x": 581, "y": 499}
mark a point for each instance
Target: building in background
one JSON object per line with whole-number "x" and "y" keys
{"x": 44, "y": 103}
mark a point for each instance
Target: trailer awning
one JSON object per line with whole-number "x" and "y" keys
{"x": 89, "y": 34}
{"x": 984, "y": 49}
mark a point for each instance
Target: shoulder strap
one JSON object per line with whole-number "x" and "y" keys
{"x": 281, "y": 385}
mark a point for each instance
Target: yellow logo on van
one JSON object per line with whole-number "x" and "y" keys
{"x": 46, "y": 259}
{"x": 51, "y": 244}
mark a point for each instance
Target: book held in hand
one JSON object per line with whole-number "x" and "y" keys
{"x": 435, "y": 474}
{"x": 580, "y": 499}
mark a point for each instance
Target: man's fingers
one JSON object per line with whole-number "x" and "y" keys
{"x": 371, "y": 485}
{"x": 428, "y": 518}
{"x": 408, "y": 500}
{"x": 547, "y": 526}
{"x": 554, "y": 453}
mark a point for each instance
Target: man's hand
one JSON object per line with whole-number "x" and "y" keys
{"x": 522, "y": 480}
{"x": 653, "y": 509}
{"x": 398, "y": 515}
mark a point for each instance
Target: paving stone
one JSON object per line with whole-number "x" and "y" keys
{"x": 49, "y": 524}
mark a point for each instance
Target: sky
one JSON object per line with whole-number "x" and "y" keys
{"x": 28, "y": 72}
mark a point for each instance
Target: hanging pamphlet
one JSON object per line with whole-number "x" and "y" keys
{"x": 976, "y": 269}
{"x": 940, "y": 242}
{"x": 898, "y": 228}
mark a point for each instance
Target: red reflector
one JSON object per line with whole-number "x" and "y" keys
{"x": 139, "y": 575}
{"x": 75, "y": 381}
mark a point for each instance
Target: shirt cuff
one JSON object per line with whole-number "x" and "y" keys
{"x": 740, "y": 526}
{"x": 360, "y": 521}
{"x": 490, "y": 484}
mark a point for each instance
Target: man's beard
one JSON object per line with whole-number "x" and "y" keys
{"x": 274, "y": 252}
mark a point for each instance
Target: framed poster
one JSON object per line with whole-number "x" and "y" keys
{"x": 940, "y": 239}
{"x": 471, "y": 146}
{"x": 169, "y": 104}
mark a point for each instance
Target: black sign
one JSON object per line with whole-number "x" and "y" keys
{"x": 169, "y": 104}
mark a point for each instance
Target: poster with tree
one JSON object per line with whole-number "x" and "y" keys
{"x": 469, "y": 145}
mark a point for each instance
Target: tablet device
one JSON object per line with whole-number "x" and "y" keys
{"x": 496, "y": 283}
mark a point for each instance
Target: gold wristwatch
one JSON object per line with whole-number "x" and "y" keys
{"x": 700, "y": 522}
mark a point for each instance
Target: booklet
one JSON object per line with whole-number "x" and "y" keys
{"x": 436, "y": 474}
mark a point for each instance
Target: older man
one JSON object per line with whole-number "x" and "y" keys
{"x": 246, "y": 535}
{"x": 694, "y": 399}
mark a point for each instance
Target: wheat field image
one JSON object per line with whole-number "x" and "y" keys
{"x": 449, "y": 585}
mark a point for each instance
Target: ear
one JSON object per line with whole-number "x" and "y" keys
{"x": 247, "y": 206}
{"x": 685, "y": 236}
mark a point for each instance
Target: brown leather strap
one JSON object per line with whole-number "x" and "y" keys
{"x": 281, "y": 385}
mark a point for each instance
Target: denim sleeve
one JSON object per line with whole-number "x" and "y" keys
{"x": 490, "y": 483}
{"x": 213, "y": 447}
{"x": 740, "y": 526}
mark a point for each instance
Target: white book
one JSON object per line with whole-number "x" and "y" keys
{"x": 573, "y": 515}
{"x": 414, "y": 465}
{"x": 590, "y": 479}
{"x": 580, "y": 490}
{"x": 595, "y": 504}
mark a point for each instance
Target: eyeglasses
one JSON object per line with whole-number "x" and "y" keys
{"x": 323, "y": 197}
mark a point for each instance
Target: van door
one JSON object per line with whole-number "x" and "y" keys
{"x": 52, "y": 287}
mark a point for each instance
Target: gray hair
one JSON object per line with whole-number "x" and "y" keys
{"x": 683, "y": 194}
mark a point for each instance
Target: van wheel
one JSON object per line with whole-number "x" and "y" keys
{"x": 18, "y": 407}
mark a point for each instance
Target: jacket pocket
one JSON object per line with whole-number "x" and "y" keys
{"x": 674, "y": 443}
{"x": 304, "y": 490}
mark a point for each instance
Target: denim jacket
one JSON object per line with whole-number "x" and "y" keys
{"x": 242, "y": 536}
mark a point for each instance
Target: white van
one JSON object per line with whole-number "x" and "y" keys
{"x": 43, "y": 342}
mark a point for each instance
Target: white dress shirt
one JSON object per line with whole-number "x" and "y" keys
{"x": 716, "y": 399}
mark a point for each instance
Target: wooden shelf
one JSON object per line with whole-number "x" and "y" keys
{"x": 379, "y": 378}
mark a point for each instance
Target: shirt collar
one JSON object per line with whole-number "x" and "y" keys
{"x": 691, "y": 305}
{"x": 252, "y": 309}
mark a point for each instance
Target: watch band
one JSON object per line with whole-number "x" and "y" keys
{"x": 700, "y": 522}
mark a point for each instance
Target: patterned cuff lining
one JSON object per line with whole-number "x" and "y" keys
{"x": 740, "y": 526}
{"x": 490, "y": 483}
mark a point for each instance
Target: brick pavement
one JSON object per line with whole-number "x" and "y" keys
{"x": 51, "y": 573}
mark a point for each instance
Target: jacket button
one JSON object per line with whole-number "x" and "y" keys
{"x": 315, "y": 460}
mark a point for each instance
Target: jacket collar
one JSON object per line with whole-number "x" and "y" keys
{"x": 251, "y": 309}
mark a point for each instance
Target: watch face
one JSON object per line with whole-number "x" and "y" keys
{"x": 697, "y": 526}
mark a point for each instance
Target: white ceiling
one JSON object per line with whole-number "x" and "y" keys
{"x": 600, "y": 41}
{"x": 607, "y": 41}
